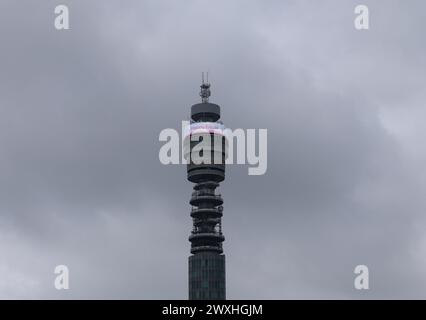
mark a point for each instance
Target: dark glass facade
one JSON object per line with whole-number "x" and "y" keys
{"x": 207, "y": 276}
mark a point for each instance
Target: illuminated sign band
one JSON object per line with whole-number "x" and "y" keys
{"x": 204, "y": 127}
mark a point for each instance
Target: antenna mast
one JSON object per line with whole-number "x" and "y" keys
{"x": 205, "y": 88}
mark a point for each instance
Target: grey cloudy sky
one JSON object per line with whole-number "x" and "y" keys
{"x": 81, "y": 111}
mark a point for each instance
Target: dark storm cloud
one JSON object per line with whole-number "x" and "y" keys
{"x": 81, "y": 110}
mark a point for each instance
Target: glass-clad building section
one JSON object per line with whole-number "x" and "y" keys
{"x": 207, "y": 276}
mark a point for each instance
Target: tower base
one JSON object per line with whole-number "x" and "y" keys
{"x": 207, "y": 276}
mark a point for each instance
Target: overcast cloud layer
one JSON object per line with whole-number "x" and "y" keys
{"x": 80, "y": 115}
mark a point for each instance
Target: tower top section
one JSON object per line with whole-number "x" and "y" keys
{"x": 205, "y": 88}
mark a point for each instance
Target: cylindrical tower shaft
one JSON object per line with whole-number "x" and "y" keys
{"x": 207, "y": 262}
